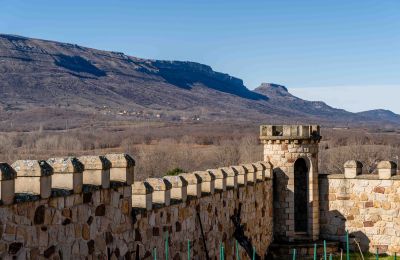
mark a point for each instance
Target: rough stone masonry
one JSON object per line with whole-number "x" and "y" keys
{"x": 91, "y": 208}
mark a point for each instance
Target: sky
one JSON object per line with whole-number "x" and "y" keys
{"x": 346, "y": 53}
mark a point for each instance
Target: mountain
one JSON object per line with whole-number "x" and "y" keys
{"x": 47, "y": 82}
{"x": 382, "y": 114}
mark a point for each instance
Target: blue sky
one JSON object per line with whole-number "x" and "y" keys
{"x": 318, "y": 49}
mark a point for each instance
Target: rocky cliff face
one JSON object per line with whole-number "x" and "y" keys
{"x": 39, "y": 78}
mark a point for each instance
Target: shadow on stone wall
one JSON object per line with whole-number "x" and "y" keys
{"x": 333, "y": 223}
{"x": 239, "y": 234}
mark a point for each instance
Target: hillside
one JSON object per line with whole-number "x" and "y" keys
{"x": 51, "y": 83}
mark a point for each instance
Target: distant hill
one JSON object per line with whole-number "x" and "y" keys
{"x": 54, "y": 83}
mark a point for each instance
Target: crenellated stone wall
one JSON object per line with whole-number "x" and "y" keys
{"x": 89, "y": 207}
{"x": 367, "y": 205}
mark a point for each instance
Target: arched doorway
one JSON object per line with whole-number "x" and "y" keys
{"x": 300, "y": 196}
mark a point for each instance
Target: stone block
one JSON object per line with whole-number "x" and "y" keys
{"x": 207, "y": 181}
{"x": 67, "y": 173}
{"x": 241, "y": 175}
{"x": 33, "y": 177}
{"x": 122, "y": 168}
{"x": 96, "y": 171}
{"x": 251, "y": 172}
{"x": 386, "y": 169}
{"x": 194, "y": 184}
{"x": 220, "y": 179}
{"x": 179, "y": 187}
{"x": 352, "y": 168}
{"x": 161, "y": 190}
{"x": 142, "y": 195}
{"x": 231, "y": 177}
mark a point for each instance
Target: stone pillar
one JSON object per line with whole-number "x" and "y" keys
{"x": 284, "y": 145}
{"x": 122, "y": 167}
{"x": 97, "y": 171}
{"x": 386, "y": 169}
{"x": 7, "y": 183}
{"x": 67, "y": 174}
{"x": 33, "y": 177}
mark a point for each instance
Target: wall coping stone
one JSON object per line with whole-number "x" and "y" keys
{"x": 120, "y": 160}
{"x": 32, "y": 168}
{"x": 66, "y": 165}
{"x": 95, "y": 162}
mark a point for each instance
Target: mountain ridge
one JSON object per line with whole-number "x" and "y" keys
{"x": 43, "y": 74}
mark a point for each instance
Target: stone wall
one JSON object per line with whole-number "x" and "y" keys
{"x": 368, "y": 206}
{"x": 90, "y": 208}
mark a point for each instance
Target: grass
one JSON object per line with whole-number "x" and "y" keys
{"x": 367, "y": 256}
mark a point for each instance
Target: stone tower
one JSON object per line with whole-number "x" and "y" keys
{"x": 293, "y": 152}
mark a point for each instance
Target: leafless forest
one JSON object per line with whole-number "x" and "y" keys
{"x": 160, "y": 147}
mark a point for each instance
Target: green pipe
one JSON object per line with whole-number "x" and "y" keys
{"x": 188, "y": 249}
{"x": 324, "y": 249}
{"x": 315, "y": 251}
{"x": 347, "y": 246}
{"x": 377, "y": 254}
{"x": 254, "y": 253}
{"x": 220, "y": 250}
{"x": 294, "y": 253}
{"x": 237, "y": 251}
{"x": 330, "y": 256}
{"x": 166, "y": 246}
{"x": 395, "y": 256}
{"x": 155, "y": 253}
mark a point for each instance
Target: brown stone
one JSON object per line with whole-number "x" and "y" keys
{"x": 85, "y": 232}
{"x": 368, "y": 224}
{"x": 125, "y": 207}
{"x": 66, "y": 213}
{"x": 369, "y": 204}
{"x": 379, "y": 190}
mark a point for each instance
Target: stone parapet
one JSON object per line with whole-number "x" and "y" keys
{"x": 279, "y": 133}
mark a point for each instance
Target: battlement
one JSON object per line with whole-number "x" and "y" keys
{"x": 27, "y": 180}
{"x": 270, "y": 133}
